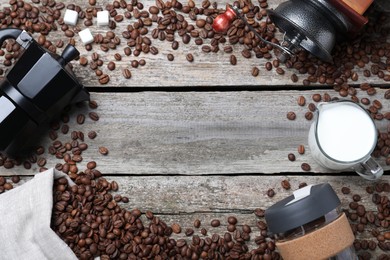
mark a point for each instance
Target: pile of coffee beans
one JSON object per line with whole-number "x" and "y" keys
{"x": 189, "y": 23}
{"x": 375, "y": 224}
{"x": 93, "y": 223}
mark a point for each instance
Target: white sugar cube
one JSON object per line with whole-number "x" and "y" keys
{"x": 86, "y": 36}
{"x": 70, "y": 17}
{"x": 103, "y": 18}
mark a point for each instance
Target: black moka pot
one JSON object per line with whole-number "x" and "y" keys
{"x": 37, "y": 89}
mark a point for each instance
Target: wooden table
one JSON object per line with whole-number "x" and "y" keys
{"x": 203, "y": 139}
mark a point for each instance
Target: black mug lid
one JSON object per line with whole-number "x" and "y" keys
{"x": 306, "y": 205}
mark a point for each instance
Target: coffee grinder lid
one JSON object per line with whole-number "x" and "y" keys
{"x": 306, "y": 205}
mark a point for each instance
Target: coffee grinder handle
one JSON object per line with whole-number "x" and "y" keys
{"x": 9, "y": 33}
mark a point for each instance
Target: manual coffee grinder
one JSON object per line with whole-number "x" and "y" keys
{"x": 314, "y": 25}
{"x": 37, "y": 89}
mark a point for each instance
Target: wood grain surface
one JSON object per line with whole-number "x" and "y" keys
{"x": 183, "y": 199}
{"x": 204, "y": 139}
{"x": 207, "y": 69}
{"x": 197, "y": 133}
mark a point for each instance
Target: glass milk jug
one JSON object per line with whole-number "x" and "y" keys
{"x": 343, "y": 136}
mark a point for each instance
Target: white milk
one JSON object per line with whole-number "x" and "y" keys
{"x": 345, "y": 132}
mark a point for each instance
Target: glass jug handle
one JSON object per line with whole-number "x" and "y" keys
{"x": 369, "y": 169}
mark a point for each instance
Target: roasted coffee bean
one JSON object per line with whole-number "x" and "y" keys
{"x": 291, "y": 115}
{"x": 111, "y": 65}
{"x": 233, "y": 59}
{"x": 309, "y": 115}
{"x": 286, "y": 184}
{"x": 231, "y": 228}
{"x": 103, "y": 150}
{"x": 306, "y": 167}
{"x": 189, "y": 232}
{"x": 2, "y": 180}
{"x": 301, "y": 149}
{"x": 259, "y": 212}
{"x": 387, "y": 94}
{"x": 170, "y": 57}
{"x": 294, "y": 78}
{"x": 246, "y": 53}
{"x": 8, "y": 186}
{"x": 301, "y": 101}
{"x": 365, "y": 101}
{"x": 94, "y": 116}
{"x": 190, "y": 57}
{"x": 80, "y": 119}
{"x": 371, "y": 91}
{"x": 270, "y": 193}
{"x": 232, "y": 220}
{"x": 15, "y": 178}
{"x": 92, "y": 134}
{"x": 302, "y": 184}
{"x": 356, "y": 197}
{"x": 316, "y": 97}
{"x": 215, "y": 223}
{"x": 312, "y": 107}
{"x": 104, "y": 79}
{"x": 268, "y": 66}
{"x": 360, "y": 210}
{"x": 114, "y": 186}
{"x": 126, "y": 73}
{"x": 41, "y": 162}
{"x": 176, "y": 228}
{"x": 280, "y": 71}
{"x": 345, "y": 190}
{"x": 291, "y": 157}
{"x": 197, "y": 223}
{"x": 255, "y": 71}
{"x": 91, "y": 165}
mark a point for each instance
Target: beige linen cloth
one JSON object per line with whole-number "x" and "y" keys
{"x": 25, "y": 215}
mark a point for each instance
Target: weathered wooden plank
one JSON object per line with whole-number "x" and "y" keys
{"x": 197, "y": 133}
{"x": 182, "y": 199}
{"x": 208, "y": 69}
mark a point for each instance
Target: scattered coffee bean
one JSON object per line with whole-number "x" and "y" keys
{"x": 286, "y": 184}
{"x": 270, "y": 193}
{"x": 255, "y": 71}
{"x": 291, "y": 115}
{"x": 104, "y": 79}
{"x": 301, "y": 100}
{"x": 291, "y": 157}
{"x": 126, "y": 73}
{"x": 345, "y": 190}
{"x": 232, "y": 220}
{"x": 309, "y": 115}
{"x": 215, "y": 223}
{"x": 190, "y": 57}
{"x": 103, "y": 150}
{"x": 80, "y": 119}
{"x": 301, "y": 149}
{"x": 306, "y": 167}
{"x": 233, "y": 59}
{"x": 197, "y": 223}
{"x": 94, "y": 116}
{"x": 92, "y": 134}
{"x": 317, "y": 97}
